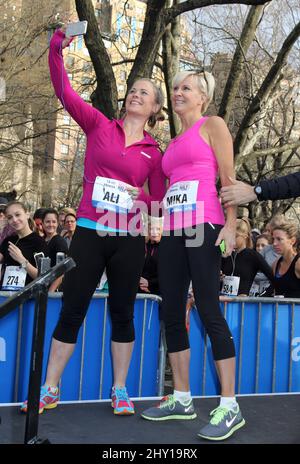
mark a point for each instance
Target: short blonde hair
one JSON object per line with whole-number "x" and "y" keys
{"x": 205, "y": 81}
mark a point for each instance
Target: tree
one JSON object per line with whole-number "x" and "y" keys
{"x": 158, "y": 16}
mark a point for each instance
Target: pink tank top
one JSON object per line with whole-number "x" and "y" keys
{"x": 190, "y": 158}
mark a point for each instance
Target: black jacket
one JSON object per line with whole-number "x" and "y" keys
{"x": 280, "y": 188}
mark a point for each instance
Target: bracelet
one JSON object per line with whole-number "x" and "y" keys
{"x": 24, "y": 264}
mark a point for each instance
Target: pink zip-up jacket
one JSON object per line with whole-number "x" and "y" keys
{"x": 106, "y": 154}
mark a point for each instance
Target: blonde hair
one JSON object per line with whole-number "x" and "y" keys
{"x": 205, "y": 81}
{"x": 292, "y": 231}
{"x": 243, "y": 227}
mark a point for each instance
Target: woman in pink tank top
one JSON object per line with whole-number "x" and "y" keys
{"x": 194, "y": 228}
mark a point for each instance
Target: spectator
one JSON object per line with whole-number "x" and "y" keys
{"x": 70, "y": 227}
{"x": 241, "y": 267}
{"x": 37, "y": 217}
{"x": 61, "y": 218}
{"x": 262, "y": 241}
{"x": 260, "y": 284}
{"x": 270, "y": 255}
{"x": 5, "y": 229}
{"x": 55, "y": 243}
{"x": 280, "y": 188}
{"x": 149, "y": 281}
{"x": 287, "y": 268}
{"x": 254, "y": 234}
{"x": 17, "y": 251}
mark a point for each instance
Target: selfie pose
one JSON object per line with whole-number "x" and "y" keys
{"x": 120, "y": 158}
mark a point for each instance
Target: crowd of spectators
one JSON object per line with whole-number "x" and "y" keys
{"x": 257, "y": 266}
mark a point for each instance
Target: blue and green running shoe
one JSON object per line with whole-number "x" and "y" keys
{"x": 49, "y": 397}
{"x": 121, "y": 402}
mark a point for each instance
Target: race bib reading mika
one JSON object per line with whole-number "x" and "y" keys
{"x": 181, "y": 196}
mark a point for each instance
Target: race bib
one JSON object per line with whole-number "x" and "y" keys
{"x": 14, "y": 278}
{"x": 112, "y": 195}
{"x": 230, "y": 285}
{"x": 181, "y": 196}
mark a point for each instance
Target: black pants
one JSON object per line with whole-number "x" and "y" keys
{"x": 123, "y": 257}
{"x": 179, "y": 264}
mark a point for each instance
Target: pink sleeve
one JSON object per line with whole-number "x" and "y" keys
{"x": 157, "y": 188}
{"x": 84, "y": 114}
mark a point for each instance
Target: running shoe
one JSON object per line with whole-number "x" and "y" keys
{"x": 121, "y": 402}
{"x": 223, "y": 424}
{"x": 170, "y": 408}
{"x": 49, "y": 397}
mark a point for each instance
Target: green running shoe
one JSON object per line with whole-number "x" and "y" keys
{"x": 169, "y": 408}
{"x": 223, "y": 424}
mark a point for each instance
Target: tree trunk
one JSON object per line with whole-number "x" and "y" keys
{"x": 238, "y": 62}
{"x": 105, "y": 97}
{"x": 170, "y": 55}
{"x": 154, "y": 27}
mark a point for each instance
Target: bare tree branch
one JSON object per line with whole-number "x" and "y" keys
{"x": 238, "y": 62}
{"x": 265, "y": 89}
{"x": 193, "y": 4}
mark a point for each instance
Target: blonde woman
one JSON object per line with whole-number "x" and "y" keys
{"x": 194, "y": 227}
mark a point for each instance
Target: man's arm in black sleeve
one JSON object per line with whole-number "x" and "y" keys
{"x": 280, "y": 188}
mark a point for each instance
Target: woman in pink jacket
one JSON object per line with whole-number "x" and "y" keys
{"x": 120, "y": 157}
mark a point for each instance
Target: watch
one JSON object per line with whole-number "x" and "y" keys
{"x": 258, "y": 190}
{"x": 24, "y": 264}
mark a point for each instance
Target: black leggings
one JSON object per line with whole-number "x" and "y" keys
{"x": 179, "y": 264}
{"x": 123, "y": 257}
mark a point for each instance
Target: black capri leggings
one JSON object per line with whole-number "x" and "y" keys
{"x": 178, "y": 264}
{"x": 123, "y": 257}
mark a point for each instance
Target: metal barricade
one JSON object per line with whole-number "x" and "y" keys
{"x": 88, "y": 375}
{"x": 266, "y": 333}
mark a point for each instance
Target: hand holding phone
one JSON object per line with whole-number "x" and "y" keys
{"x": 74, "y": 29}
{"x": 223, "y": 247}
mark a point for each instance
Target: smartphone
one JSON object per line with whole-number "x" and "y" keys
{"x": 60, "y": 257}
{"x": 223, "y": 247}
{"x": 78, "y": 28}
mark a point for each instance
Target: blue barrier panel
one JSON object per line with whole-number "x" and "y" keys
{"x": 266, "y": 349}
{"x": 283, "y": 344}
{"x": 247, "y": 356}
{"x": 88, "y": 374}
{"x": 295, "y": 351}
{"x": 198, "y": 354}
{"x": 8, "y": 354}
{"x": 266, "y": 334}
